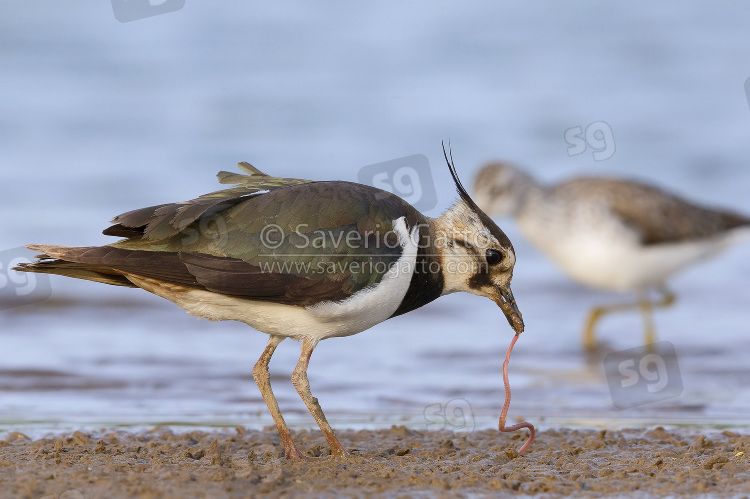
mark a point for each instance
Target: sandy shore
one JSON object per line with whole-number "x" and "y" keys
{"x": 399, "y": 462}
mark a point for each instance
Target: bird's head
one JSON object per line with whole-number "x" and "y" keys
{"x": 500, "y": 187}
{"x": 476, "y": 256}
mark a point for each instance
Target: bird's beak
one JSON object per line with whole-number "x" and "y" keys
{"x": 508, "y": 305}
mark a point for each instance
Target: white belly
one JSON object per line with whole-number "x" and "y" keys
{"x": 628, "y": 268}
{"x": 357, "y": 313}
{"x": 606, "y": 257}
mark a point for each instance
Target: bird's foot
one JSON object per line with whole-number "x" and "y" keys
{"x": 292, "y": 452}
{"x": 339, "y": 453}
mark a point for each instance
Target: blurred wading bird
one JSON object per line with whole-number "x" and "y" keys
{"x": 610, "y": 234}
{"x": 298, "y": 259}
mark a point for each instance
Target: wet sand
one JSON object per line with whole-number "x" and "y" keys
{"x": 398, "y": 462}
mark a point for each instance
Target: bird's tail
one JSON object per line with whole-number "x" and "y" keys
{"x": 70, "y": 262}
{"x": 734, "y": 220}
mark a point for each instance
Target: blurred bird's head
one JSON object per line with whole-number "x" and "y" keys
{"x": 499, "y": 188}
{"x": 476, "y": 255}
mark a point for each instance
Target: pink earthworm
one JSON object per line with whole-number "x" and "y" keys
{"x": 504, "y": 412}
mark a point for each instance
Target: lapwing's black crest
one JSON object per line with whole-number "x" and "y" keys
{"x": 486, "y": 220}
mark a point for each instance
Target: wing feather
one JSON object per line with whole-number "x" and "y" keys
{"x": 654, "y": 214}
{"x": 217, "y": 242}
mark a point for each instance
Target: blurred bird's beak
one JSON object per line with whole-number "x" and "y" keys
{"x": 508, "y": 305}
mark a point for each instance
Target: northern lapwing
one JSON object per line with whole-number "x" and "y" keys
{"x": 609, "y": 233}
{"x": 300, "y": 259}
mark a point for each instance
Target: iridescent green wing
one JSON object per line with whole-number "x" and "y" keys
{"x": 285, "y": 240}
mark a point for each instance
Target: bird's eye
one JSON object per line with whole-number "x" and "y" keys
{"x": 493, "y": 256}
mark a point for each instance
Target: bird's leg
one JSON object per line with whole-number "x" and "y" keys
{"x": 589, "y": 340}
{"x": 644, "y": 304}
{"x": 648, "y": 320}
{"x": 263, "y": 380}
{"x": 667, "y": 297}
{"x": 299, "y": 379}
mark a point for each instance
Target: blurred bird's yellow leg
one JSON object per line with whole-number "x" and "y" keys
{"x": 644, "y": 304}
{"x": 589, "y": 340}
{"x": 647, "y": 306}
{"x": 299, "y": 379}
{"x": 649, "y": 335}
{"x": 667, "y": 298}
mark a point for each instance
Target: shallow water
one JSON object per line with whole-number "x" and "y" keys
{"x": 100, "y": 117}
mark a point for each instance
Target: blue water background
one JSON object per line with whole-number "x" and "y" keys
{"x": 98, "y": 117}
